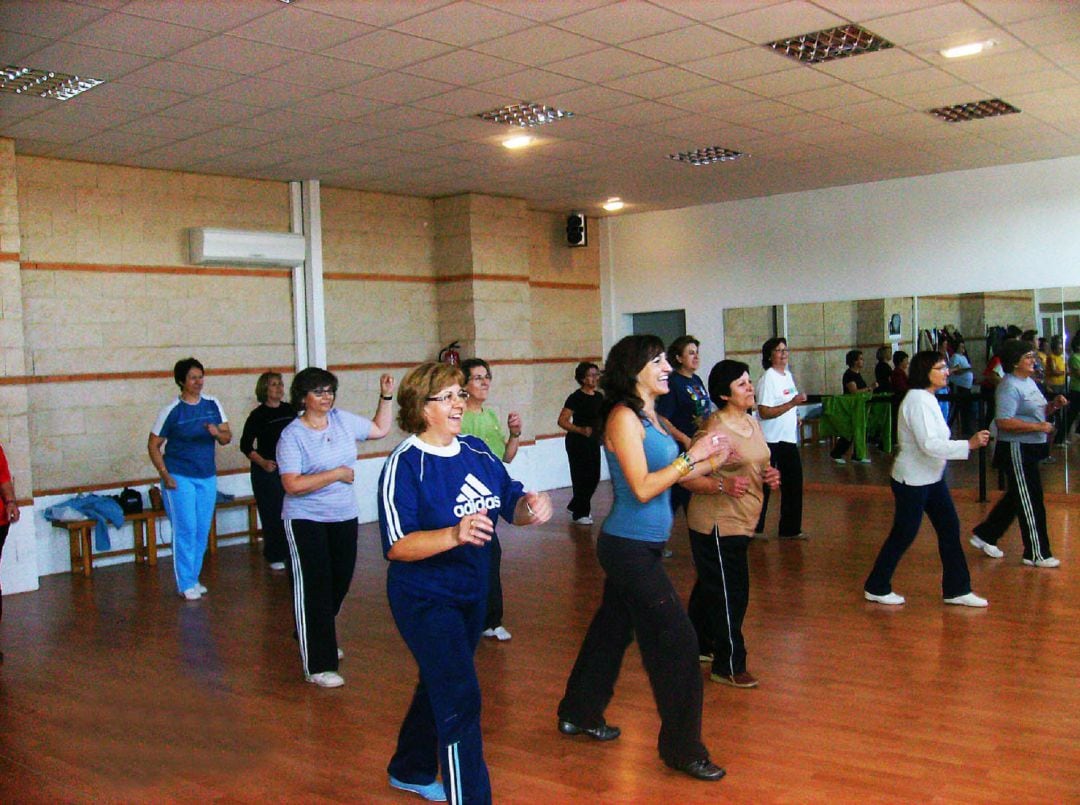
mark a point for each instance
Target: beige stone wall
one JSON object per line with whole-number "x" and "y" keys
{"x": 113, "y": 322}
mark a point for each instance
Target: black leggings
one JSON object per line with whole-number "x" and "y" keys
{"x": 3, "y": 539}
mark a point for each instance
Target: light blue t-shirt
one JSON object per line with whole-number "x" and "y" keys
{"x": 629, "y": 517}
{"x": 306, "y": 451}
{"x": 1019, "y": 398}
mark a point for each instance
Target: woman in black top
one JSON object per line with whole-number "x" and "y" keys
{"x": 259, "y": 443}
{"x": 580, "y": 418}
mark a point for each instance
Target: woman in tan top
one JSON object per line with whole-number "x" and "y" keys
{"x": 722, "y": 515}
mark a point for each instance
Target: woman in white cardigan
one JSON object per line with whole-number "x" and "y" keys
{"x": 918, "y": 485}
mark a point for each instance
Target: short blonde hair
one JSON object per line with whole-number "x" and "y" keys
{"x": 263, "y": 383}
{"x": 415, "y": 388}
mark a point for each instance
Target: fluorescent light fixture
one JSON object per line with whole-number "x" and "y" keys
{"x": 43, "y": 83}
{"x": 525, "y": 114}
{"x": 970, "y": 49}
{"x": 832, "y": 43}
{"x": 614, "y": 204}
{"x": 707, "y": 156}
{"x": 519, "y": 141}
{"x": 974, "y": 110}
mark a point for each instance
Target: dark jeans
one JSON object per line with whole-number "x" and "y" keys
{"x": 443, "y": 721}
{"x": 911, "y": 502}
{"x": 785, "y": 457}
{"x": 584, "y": 456}
{"x": 719, "y": 599}
{"x": 3, "y": 539}
{"x": 1023, "y": 499}
{"x": 323, "y": 559}
{"x": 640, "y": 600}
{"x": 495, "y": 594}
{"x": 269, "y": 497}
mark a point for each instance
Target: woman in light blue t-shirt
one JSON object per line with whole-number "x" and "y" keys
{"x": 315, "y": 456}
{"x": 639, "y": 599}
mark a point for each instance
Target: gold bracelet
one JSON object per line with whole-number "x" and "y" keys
{"x": 683, "y": 465}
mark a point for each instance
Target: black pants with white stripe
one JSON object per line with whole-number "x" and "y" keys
{"x": 323, "y": 557}
{"x": 1023, "y": 500}
{"x": 785, "y": 457}
{"x": 719, "y": 599}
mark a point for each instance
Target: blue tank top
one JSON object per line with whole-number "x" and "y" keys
{"x": 629, "y": 517}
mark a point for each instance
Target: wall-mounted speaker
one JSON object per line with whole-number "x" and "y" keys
{"x": 577, "y": 233}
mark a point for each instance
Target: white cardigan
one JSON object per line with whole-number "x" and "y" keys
{"x": 924, "y": 441}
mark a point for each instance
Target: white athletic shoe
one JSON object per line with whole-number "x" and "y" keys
{"x": 993, "y": 551}
{"x": 277, "y": 565}
{"x": 892, "y": 599}
{"x": 191, "y": 594}
{"x": 499, "y": 633}
{"x": 586, "y": 520}
{"x": 326, "y": 679}
{"x": 968, "y": 600}
{"x": 1050, "y": 561}
{"x": 202, "y": 590}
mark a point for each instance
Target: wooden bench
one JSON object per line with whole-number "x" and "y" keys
{"x": 144, "y": 535}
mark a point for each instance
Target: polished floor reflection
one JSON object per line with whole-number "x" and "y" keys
{"x": 116, "y": 690}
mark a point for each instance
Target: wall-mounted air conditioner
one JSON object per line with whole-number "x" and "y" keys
{"x": 239, "y": 248}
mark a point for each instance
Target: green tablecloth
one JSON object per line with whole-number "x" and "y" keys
{"x": 854, "y": 417}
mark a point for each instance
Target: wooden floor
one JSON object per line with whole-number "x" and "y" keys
{"x": 115, "y": 690}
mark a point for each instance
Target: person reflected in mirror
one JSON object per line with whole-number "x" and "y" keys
{"x": 777, "y": 402}
{"x": 961, "y": 382}
{"x": 482, "y": 422}
{"x": 1055, "y": 385}
{"x": 918, "y": 487}
{"x": 1022, "y": 414}
{"x": 852, "y": 383}
{"x": 883, "y": 370}
{"x": 181, "y": 447}
{"x": 580, "y": 418}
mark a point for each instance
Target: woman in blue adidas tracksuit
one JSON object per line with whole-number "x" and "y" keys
{"x": 440, "y": 494}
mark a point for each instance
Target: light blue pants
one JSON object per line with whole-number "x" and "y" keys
{"x": 190, "y": 508}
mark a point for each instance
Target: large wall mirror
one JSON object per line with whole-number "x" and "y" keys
{"x": 821, "y": 333}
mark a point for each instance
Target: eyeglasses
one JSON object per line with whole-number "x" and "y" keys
{"x": 478, "y": 378}
{"x": 449, "y": 397}
{"x": 940, "y": 367}
{"x": 781, "y": 350}
{"x": 326, "y": 391}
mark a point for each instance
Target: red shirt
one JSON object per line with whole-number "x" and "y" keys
{"x": 5, "y": 478}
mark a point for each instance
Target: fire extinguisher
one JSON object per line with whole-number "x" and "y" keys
{"x": 451, "y": 354}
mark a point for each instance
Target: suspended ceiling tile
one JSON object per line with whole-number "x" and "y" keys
{"x": 397, "y": 88}
{"x": 300, "y": 29}
{"x": 604, "y": 65}
{"x": 235, "y": 55}
{"x": 768, "y": 23}
{"x": 659, "y": 83}
{"x": 24, "y": 16}
{"x": 623, "y": 22}
{"x": 777, "y": 85}
{"x": 321, "y": 72}
{"x": 744, "y": 63}
{"x": 463, "y": 67}
{"x": 173, "y": 77}
{"x": 697, "y": 42}
{"x": 131, "y": 34}
{"x": 462, "y": 24}
{"x": 927, "y": 23}
{"x": 538, "y": 45}
{"x": 69, "y": 57}
{"x": 208, "y": 16}
{"x": 539, "y": 85}
{"x": 388, "y": 49}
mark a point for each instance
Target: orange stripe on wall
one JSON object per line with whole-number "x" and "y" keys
{"x": 119, "y": 268}
{"x": 9, "y": 257}
{"x": 346, "y": 276}
{"x": 565, "y": 286}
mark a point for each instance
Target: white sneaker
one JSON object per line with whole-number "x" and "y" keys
{"x": 499, "y": 633}
{"x": 892, "y": 599}
{"x": 1050, "y": 561}
{"x": 326, "y": 679}
{"x": 586, "y": 520}
{"x": 968, "y": 600}
{"x": 864, "y": 461}
{"x": 341, "y": 653}
{"x": 191, "y": 594}
{"x": 993, "y": 551}
{"x": 839, "y": 461}
{"x": 277, "y": 565}
{"x": 202, "y": 590}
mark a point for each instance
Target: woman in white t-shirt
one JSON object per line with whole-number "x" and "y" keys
{"x": 918, "y": 485}
{"x": 777, "y": 398}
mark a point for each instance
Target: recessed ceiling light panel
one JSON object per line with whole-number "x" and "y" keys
{"x": 830, "y": 44}
{"x": 976, "y": 110}
{"x": 970, "y": 49}
{"x": 525, "y": 114}
{"x": 614, "y": 204}
{"x": 44, "y": 83}
{"x": 706, "y": 156}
